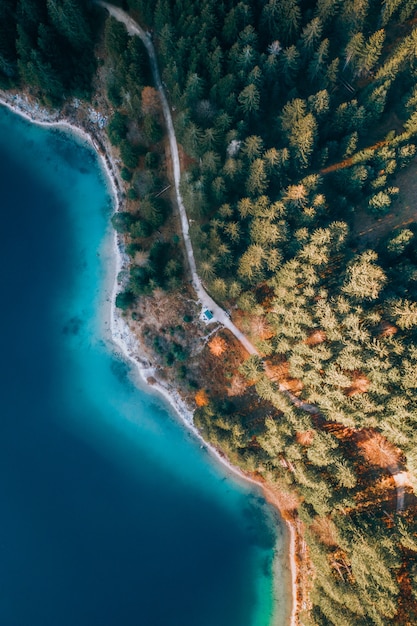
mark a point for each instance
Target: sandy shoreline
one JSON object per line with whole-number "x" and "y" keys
{"x": 129, "y": 346}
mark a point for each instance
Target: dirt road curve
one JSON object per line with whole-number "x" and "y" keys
{"x": 219, "y": 314}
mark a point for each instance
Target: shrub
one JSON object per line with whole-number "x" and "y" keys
{"x": 126, "y": 174}
{"x": 122, "y": 221}
{"x": 124, "y": 299}
{"x": 151, "y": 160}
{"x": 117, "y": 128}
{"x": 129, "y": 153}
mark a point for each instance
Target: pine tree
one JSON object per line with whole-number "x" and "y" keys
{"x": 70, "y": 20}
{"x": 371, "y": 52}
{"x": 316, "y": 70}
{"x": 252, "y": 147}
{"x": 282, "y": 18}
{"x": 8, "y": 34}
{"x": 194, "y": 88}
{"x": 407, "y": 9}
{"x": 397, "y": 245}
{"x": 249, "y": 100}
{"x": 252, "y": 368}
{"x": 115, "y": 38}
{"x": 404, "y": 313}
{"x": 311, "y": 34}
{"x": 289, "y": 65}
{"x": 327, "y": 9}
{"x": 389, "y": 7}
{"x": 257, "y": 181}
{"x": 251, "y": 263}
{"x": 364, "y": 279}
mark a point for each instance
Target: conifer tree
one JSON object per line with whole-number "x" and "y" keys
{"x": 311, "y": 34}
{"x": 249, "y": 100}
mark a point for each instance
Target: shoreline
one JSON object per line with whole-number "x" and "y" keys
{"x": 128, "y": 345}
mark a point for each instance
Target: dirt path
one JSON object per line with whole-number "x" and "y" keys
{"x": 206, "y": 301}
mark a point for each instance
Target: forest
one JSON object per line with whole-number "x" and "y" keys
{"x": 298, "y": 118}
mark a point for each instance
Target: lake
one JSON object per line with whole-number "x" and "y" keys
{"x": 111, "y": 513}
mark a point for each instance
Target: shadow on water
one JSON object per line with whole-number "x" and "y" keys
{"x": 121, "y": 370}
{"x": 73, "y": 326}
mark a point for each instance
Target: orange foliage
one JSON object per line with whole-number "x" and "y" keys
{"x": 217, "y": 346}
{"x": 292, "y": 384}
{"x": 388, "y": 329}
{"x": 201, "y": 398}
{"x": 260, "y": 328}
{"x": 304, "y": 438}
{"x": 316, "y": 337}
{"x": 348, "y": 162}
{"x": 151, "y": 103}
{"x": 360, "y": 384}
{"x": 378, "y": 451}
{"x": 280, "y": 373}
{"x": 277, "y": 372}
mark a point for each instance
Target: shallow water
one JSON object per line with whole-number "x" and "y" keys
{"x": 111, "y": 513}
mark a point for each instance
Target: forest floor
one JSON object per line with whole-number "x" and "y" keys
{"x": 371, "y": 230}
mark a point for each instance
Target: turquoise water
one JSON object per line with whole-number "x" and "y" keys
{"x": 110, "y": 512}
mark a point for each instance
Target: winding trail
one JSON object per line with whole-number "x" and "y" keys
{"x": 206, "y": 301}
{"x": 219, "y": 315}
